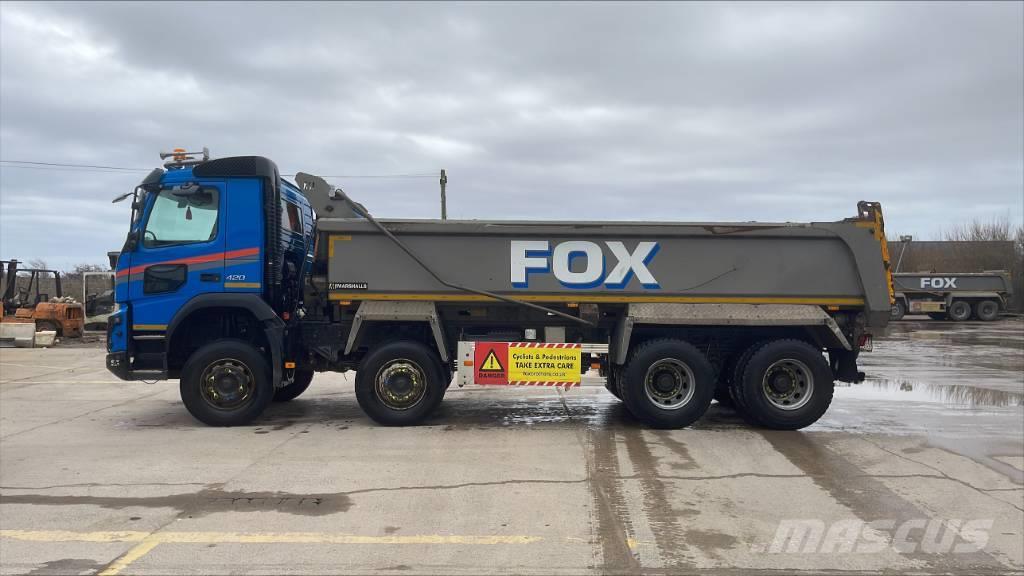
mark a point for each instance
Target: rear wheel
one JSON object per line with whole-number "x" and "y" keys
{"x": 786, "y": 385}
{"x": 226, "y": 383}
{"x": 400, "y": 383}
{"x": 898, "y": 310}
{"x": 300, "y": 382}
{"x": 667, "y": 383}
{"x": 987, "y": 310}
{"x": 959, "y": 311}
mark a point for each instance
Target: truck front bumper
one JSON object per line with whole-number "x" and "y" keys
{"x": 117, "y": 363}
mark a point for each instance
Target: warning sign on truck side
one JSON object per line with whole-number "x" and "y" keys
{"x": 527, "y": 363}
{"x": 489, "y": 361}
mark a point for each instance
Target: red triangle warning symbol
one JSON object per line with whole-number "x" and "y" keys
{"x": 491, "y": 363}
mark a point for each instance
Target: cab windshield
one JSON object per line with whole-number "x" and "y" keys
{"x": 182, "y": 216}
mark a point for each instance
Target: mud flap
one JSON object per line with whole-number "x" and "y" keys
{"x": 844, "y": 365}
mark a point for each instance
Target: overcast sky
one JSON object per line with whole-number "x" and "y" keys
{"x": 772, "y": 112}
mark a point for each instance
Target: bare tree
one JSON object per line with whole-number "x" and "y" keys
{"x": 998, "y": 228}
{"x": 38, "y": 263}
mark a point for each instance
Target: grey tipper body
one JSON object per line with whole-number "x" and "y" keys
{"x": 817, "y": 263}
{"x": 991, "y": 282}
{"x": 765, "y": 316}
{"x": 951, "y": 296}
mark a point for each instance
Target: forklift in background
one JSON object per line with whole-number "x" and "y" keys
{"x": 24, "y": 301}
{"x": 98, "y": 298}
{"x": 98, "y": 295}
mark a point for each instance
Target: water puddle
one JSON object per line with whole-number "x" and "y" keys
{"x": 912, "y": 391}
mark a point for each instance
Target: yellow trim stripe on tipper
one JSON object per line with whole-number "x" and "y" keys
{"x": 330, "y": 242}
{"x": 149, "y": 326}
{"x": 242, "y": 284}
{"x": 600, "y": 298}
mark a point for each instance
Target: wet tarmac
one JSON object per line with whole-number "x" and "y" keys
{"x": 920, "y": 469}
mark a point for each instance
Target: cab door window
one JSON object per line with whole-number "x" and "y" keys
{"x": 291, "y": 218}
{"x": 182, "y": 216}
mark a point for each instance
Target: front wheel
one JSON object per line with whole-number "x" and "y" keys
{"x": 226, "y": 383}
{"x": 898, "y": 311}
{"x": 959, "y": 311}
{"x": 667, "y": 383}
{"x": 300, "y": 382}
{"x": 786, "y": 385}
{"x": 400, "y": 383}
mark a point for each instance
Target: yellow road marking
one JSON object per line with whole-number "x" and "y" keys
{"x": 68, "y": 536}
{"x": 260, "y": 538}
{"x": 597, "y": 298}
{"x": 130, "y": 556}
{"x": 147, "y": 541}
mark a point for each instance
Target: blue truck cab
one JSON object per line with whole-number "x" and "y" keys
{"x": 217, "y": 255}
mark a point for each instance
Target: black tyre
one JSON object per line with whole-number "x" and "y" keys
{"x": 299, "y": 384}
{"x": 959, "y": 311}
{"x": 735, "y": 375}
{"x": 667, "y": 383}
{"x": 611, "y": 382}
{"x": 987, "y": 310}
{"x": 400, "y": 383}
{"x": 226, "y": 383}
{"x": 447, "y": 374}
{"x": 937, "y": 315}
{"x": 898, "y": 310}
{"x": 786, "y": 385}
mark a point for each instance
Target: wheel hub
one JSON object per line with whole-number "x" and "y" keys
{"x": 665, "y": 383}
{"x": 400, "y": 384}
{"x": 782, "y": 382}
{"x": 227, "y": 384}
{"x": 669, "y": 383}
{"x": 788, "y": 384}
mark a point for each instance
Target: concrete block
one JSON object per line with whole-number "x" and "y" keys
{"x": 22, "y": 334}
{"x": 46, "y": 338}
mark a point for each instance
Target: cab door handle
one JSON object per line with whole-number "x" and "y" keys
{"x": 209, "y": 277}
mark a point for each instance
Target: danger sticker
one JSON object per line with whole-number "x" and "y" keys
{"x": 527, "y": 364}
{"x": 491, "y": 360}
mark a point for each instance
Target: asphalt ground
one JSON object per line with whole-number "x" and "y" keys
{"x": 919, "y": 469}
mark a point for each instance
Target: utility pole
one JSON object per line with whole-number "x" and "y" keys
{"x": 905, "y": 241}
{"x": 444, "y": 198}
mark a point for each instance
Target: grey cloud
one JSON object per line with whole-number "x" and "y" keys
{"x": 572, "y": 111}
